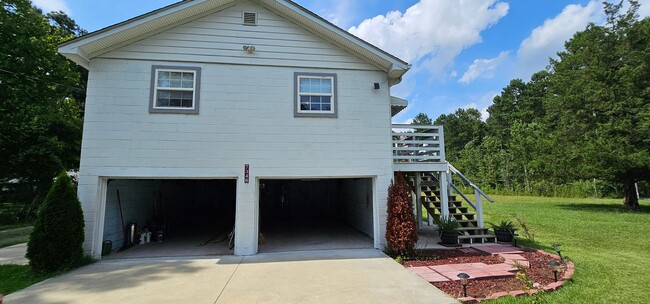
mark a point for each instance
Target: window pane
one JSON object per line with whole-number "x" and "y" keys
{"x": 304, "y": 85}
{"x": 315, "y": 107}
{"x": 181, "y": 99}
{"x": 315, "y": 85}
{"x": 163, "y": 75}
{"x": 327, "y": 107}
{"x": 304, "y": 106}
{"x": 175, "y": 75}
{"x": 175, "y": 83}
{"x": 326, "y": 86}
{"x": 163, "y": 83}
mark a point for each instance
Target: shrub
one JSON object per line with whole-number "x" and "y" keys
{"x": 448, "y": 224}
{"x": 56, "y": 241}
{"x": 401, "y": 234}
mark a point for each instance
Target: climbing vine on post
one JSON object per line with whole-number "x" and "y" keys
{"x": 401, "y": 234}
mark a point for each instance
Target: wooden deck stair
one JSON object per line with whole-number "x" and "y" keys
{"x": 469, "y": 232}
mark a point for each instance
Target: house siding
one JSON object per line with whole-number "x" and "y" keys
{"x": 219, "y": 38}
{"x": 246, "y": 117}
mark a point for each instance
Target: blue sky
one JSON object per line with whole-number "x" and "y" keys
{"x": 463, "y": 52}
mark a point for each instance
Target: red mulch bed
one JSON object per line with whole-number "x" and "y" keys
{"x": 431, "y": 257}
{"x": 539, "y": 272}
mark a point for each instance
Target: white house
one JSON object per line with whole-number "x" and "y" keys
{"x": 209, "y": 113}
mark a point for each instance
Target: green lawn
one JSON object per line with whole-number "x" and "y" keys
{"x": 12, "y": 235}
{"x": 609, "y": 246}
{"x": 17, "y": 277}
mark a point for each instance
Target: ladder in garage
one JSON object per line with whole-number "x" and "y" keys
{"x": 468, "y": 213}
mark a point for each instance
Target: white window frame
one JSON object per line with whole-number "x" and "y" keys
{"x": 154, "y": 108}
{"x": 332, "y": 113}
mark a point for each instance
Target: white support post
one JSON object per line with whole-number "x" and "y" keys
{"x": 450, "y": 190}
{"x": 479, "y": 208}
{"x": 444, "y": 197}
{"x": 418, "y": 199}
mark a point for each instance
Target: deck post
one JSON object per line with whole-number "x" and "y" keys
{"x": 479, "y": 208}
{"x": 444, "y": 195}
{"x": 418, "y": 200}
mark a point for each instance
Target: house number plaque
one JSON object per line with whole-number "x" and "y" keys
{"x": 246, "y": 175}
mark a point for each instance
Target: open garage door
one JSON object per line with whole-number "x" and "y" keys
{"x": 314, "y": 214}
{"x": 178, "y": 217}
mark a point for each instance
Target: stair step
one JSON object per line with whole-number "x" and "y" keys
{"x": 472, "y": 228}
{"x": 476, "y": 236}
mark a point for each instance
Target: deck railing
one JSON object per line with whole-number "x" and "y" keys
{"x": 418, "y": 144}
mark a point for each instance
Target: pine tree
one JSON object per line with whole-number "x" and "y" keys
{"x": 58, "y": 235}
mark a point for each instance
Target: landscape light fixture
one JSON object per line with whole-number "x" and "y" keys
{"x": 556, "y": 247}
{"x": 556, "y": 265}
{"x": 463, "y": 281}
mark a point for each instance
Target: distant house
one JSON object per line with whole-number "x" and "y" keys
{"x": 259, "y": 114}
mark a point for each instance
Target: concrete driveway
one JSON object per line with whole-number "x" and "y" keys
{"x": 326, "y": 276}
{"x": 14, "y": 255}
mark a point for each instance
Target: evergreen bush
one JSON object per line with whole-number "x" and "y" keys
{"x": 401, "y": 234}
{"x": 56, "y": 241}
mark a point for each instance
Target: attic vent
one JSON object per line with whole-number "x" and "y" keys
{"x": 250, "y": 18}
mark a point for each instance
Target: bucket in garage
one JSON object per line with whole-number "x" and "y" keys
{"x": 107, "y": 246}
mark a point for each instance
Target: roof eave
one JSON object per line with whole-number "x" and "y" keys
{"x": 76, "y": 55}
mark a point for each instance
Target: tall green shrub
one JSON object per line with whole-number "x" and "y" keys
{"x": 58, "y": 235}
{"x": 401, "y": 234}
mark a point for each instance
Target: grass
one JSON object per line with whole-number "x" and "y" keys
{"x": 15, "y": 234}
{"x": 17, "y": 277}
{"x": 609, "y": 246}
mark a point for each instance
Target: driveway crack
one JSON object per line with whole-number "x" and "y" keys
{"x": 228, "y": 282}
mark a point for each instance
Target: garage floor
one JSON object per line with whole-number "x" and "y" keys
{"x": 179, "y": 246}
{"x": 313, "y": 237}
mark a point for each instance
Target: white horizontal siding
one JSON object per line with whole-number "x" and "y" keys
{"x": 238, "y": 123}
{"x": 246, "y": 116}
{"x": 219, "y": 37}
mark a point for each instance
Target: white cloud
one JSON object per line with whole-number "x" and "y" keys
{"x": 547, "y": 39}
{"x": 339, "y": 12}
{"x": 52, "y": 5}
{"x": 482, "y": 103}
{"x": 483, "y": 68}
{"x": 432, "y": 33}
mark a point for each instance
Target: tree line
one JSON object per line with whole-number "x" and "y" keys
{"x": 579, "y": 127}
{"x": 41, "y": 102}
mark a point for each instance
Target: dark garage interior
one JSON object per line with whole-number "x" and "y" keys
{"x": 184, "y": 217}
{"x": 314, "y": 214}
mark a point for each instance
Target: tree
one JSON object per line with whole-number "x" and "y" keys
{"x": 58, "y": 235}
{"x": 599, "y": 100}
{"x": 461, "y": 127}
{"x": 422, "y": 119}
{"x": 519, "y": 101}
{"x": 41, "y": 131}
{"x": 401, "y": 233}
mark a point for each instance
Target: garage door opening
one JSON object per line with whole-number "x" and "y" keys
{"x": 315, "y": 214}
{"x": 178, "y": 217}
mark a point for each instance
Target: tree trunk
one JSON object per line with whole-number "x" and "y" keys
{"x": 631, "y": 201}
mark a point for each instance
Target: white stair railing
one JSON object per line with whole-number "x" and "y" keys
{"x": 478, "y": 193}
